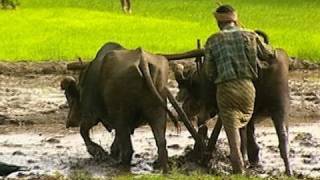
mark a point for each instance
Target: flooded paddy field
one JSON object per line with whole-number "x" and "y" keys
{"x": 33, "y": 134}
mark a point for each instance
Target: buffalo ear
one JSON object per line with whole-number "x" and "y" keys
{"x": 178, "y": 72}
{"x": 68, "y": 83}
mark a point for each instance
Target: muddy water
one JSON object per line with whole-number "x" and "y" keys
{"x": 46, "y": 152}
{"x": 31, "y": 99}
{"x": 32, "y": 133}
{"x": 305, "y": 95}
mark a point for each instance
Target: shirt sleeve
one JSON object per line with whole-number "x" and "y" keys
{"x": 265, "y": 51}
{"x": 209, "y": 63}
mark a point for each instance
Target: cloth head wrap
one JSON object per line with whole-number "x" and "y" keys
{"x": 226, "y": 17}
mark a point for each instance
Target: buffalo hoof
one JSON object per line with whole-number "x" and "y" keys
{"x": 97, "y": 152}
{"x": 165, "y": 171}
{"x": 206, "y": 157}
{"x": 198, "y": 153}
{"x": 255, "y": 165}
{"x": 289, "y": 172}
{"x": 157, "y": 166}
{"x": 115, "y": 152}
{"x": 115, "y": 155}
{"x": 123, "y": 167}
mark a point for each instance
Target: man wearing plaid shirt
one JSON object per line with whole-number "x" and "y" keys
{"x": 231, "y": 63}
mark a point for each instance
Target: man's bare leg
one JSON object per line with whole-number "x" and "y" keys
{"x": 234, "y": 140}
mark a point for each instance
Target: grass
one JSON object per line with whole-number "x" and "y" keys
{"x": 185, "y": 177}
{"x": 67, "y": 29}
{"x": 175, "y": 175}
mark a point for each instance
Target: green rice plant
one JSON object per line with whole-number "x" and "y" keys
{"x": 68, "y": 29}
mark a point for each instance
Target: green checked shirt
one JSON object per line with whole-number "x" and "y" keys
{"x": 233, "y": 53}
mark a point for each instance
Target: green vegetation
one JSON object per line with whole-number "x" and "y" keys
{"x": 82, "y": 175}
{"x": 67, "y": 29}
{"x": 177, "y": 176}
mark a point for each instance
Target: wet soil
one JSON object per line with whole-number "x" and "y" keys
{"x": 47, "y": 150}
{"x": 32, "y": 132}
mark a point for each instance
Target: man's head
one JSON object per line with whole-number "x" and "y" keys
{"x": 226, "y": 15}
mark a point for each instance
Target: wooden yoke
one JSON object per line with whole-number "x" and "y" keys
{"x": 186, "y": 55}
{"x": 74, "y": 66}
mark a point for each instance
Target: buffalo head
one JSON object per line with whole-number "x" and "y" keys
{"x": 72, "y": 94}
{"x": 178, "y": 70}
{"x": 187, "y": 84}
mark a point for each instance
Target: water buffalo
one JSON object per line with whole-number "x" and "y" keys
{"x": 122, "y": 89}
{"x": 272, "y": 99}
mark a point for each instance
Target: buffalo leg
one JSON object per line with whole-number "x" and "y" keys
{"x": 214, "y": 136}
{"x": 157, "y": 121}
{"x": 126, "y": 149}
{"x": 252, "y": 146}
{"x": 202, "y": 132}
{"x": 278, "y": 119}
{"x": 159, "y": 135}
{"x": 93, "y": 149}
{"x": 115, "y": 148}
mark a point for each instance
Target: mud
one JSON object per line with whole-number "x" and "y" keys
{"x": 32, "y": 132}
{"x": 305, "y": 95}
{"x": 33, "y": 147}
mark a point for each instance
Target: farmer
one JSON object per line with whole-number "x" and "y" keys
{"x": 126, "y": 6}
{"x": 231, "y": 63}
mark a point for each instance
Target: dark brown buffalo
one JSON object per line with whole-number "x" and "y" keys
{"x": 122, "y": 89}
{"x": 272, "y": 100}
